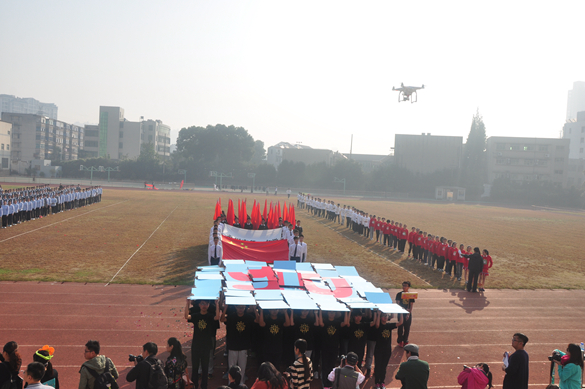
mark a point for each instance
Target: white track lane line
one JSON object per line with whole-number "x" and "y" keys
{"x": 371, "y": 251}
{"x": 138, "y": 249}
{"x": 64, "y": 220}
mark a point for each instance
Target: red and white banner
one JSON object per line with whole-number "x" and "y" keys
{"x": 267, "y": 251}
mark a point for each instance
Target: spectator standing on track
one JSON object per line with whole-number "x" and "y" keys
{"x": 571, "y": 372}
{"x": 301, "y": 371}
{"x": 404, "y": 329}
{"x": 10, "y": 367}
{"x": 517, "y": 370}
{"x": 269, "y": 378}
{"x": 475, "y": 267}
{"x": 414, "y": 373}
{"x": 487, "y": 264}
{"x": 33, "y": 375}
{"x": 477, "y": 377}
{"x": 95, "y": 363}
{"x": 176, "y": 364}
{"x": 144, "y": 371}
{"x": 44, "y": 356}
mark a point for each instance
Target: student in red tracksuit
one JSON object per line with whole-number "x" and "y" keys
{"x": 386, "y": 231}
{"x": 411, "y": 237}
{"x": 460, "y": 262}
{"x": 397, "y": 231}
{"x": 468, "y": 251}
{"x": 442, "y": 255}
{"x": 487, "y": 264}
{"x": 391, "y": 233}
{"x": 423, "y": 248}
{"x": 403, "y": 238}
{"x": 378, "y": 228}
{"x": 372, "y": 226}
{"x": 418, "y": 240}
{"x": 452, "y": 259}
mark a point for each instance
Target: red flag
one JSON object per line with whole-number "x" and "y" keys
{"x": 239, "y": 215}
{"x": 217, "y": 209}
{"x": 244, "y": 213}
{"x": 292, "y": 215}
{"x": 230, "y": 213}
{"x": 269, "y": 219}
{"x": 182, "y": 182}
{"x": 265, "y": 210}
{"x": 278, "y": 213}
{"x": 284, "y": 212}
{"x": 256, "y": 216}
{"x": 276, "y": 250}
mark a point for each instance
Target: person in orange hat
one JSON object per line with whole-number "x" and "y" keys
{"x": 44, "y": 356}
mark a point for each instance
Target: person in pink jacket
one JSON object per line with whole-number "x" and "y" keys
{"x": 475, "y": 377}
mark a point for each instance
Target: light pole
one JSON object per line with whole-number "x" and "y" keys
{"x": 253, "y": 177}
{"x": 340, "y": 180}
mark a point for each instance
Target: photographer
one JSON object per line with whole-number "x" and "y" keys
{"x": 347, "y": 375}
{"x": 475, "y": 377}
{"x": 143, "y": 366}
{"x": 570, "y": 366}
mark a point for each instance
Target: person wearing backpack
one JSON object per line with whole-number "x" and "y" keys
{"x": 98, "y": 371}
{"x": 9, "y": 368}
{"x": 149, "y": 372}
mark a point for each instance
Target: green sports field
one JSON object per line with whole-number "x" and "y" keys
{"x": 139, "y": 236}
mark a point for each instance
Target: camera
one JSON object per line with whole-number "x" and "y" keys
{"x": 556, "y": 356}
{"x": 137, "y": 358}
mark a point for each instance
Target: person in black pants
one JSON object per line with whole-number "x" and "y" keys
{"x": 475, "y": 267}
{"x": 141, "y": 370}
{"x": 272, "y": 325}
{"x": 330, "y": 342}
{"x": 383, "y": 349}
{"x": 205, "y": 325}
{"x": 406, "y": 319}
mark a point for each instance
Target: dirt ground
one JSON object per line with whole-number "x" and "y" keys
{"x": 153, "y": 237}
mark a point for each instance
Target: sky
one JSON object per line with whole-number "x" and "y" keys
{"x": 313, "y": 72}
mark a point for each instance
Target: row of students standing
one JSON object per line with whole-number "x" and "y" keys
{"x": 31, "y": 203}
{"x": 271, "y": 335}
{"x": 442, "y": 254}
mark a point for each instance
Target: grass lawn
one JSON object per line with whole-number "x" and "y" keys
{"x": 530, "y": 248}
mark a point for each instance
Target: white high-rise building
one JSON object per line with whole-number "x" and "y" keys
{"x": 575, "y": 131}
{"x": 576, "y": 100}
{"x": 13, "y": 104}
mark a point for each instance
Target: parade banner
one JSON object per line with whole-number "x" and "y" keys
{"x": 264, "y": 250}
{"x": 252, "y": 235}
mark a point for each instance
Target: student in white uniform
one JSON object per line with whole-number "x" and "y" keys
{"x": 304, "y": 246}
{"x": 215, "y": 253}
{"x": 295, "y": 250}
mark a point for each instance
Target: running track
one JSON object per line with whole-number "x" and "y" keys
{"x": 452, "y": 327}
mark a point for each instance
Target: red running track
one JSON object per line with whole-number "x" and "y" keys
{"x": 451, "y": 327}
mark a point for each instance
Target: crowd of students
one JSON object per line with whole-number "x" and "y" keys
{"x": 25, "y": 204}
{"x": 437, "y": 252}
{"x": 286, "y": 340}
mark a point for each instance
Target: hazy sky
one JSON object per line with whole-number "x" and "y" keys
{"x": 305, "y": 71}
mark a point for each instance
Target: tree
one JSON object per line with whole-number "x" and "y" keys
{"x": 220, "y": 148}
{"x": 473, "y": 167}
{"x": 259, "y": 152}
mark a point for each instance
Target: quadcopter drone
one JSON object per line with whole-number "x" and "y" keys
{"x": 406, "y": 93}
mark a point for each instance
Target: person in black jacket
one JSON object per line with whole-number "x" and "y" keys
{"x": 475, "y": 267}
{"x": 141, "y": 370}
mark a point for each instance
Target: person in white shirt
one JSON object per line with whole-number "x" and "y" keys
{"x": 295, "y": 250}
{"x": 304, "y": 246}
{"x": 215, "y": 253}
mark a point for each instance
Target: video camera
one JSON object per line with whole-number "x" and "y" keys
{"x": 137, "y": 358}
{"x": 556, "y": 356}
